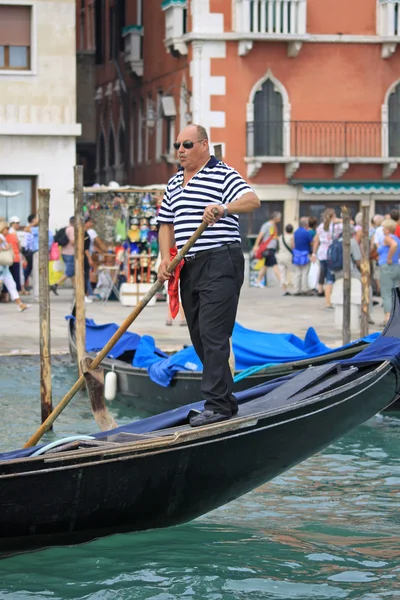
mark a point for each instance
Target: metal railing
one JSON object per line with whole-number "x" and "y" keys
{"x": 285, "y": 17}
{"x": 341, "y": 139}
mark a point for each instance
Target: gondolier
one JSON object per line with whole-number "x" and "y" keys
{"x": 205, "y": 189}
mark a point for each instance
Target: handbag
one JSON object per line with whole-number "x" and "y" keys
{"x": 300, "y": 257}
{"x": 6, "y": 257}
{"x": 262, "y": 250}
{"x": 54, "y": 253}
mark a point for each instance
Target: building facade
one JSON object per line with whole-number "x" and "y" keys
{"x": 38, "y": 125}
{"x": 302, "y": 95}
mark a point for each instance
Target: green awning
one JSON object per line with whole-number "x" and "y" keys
{"x": 331, "y": 188}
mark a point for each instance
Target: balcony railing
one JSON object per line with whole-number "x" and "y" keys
{"x": 279, "y": 17}
{"x": 335, "y": 139}
{"x": 389, "y": 18}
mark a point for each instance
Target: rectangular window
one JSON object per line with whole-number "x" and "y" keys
{"x": 159, "y": 127}
{"x": 90, "y": 26}
{"x": 170, "y": 137}
{"x": 140, "y": 133}
{"x": 99, "y": 34}
{"x": 132, "y": 136}
{"x": 15, "y": 37}
{"x": 21, "y": 199}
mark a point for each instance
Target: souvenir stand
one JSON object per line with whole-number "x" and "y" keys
{"x": 125, "y": 218}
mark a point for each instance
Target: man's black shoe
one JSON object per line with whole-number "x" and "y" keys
{"x": 53, "y": 288}
{"x": 207, "y": 417}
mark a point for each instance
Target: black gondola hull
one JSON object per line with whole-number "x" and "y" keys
{"x": 77, "y": 499}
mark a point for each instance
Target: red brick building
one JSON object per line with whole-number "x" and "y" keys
{"x": 303, "y": 95}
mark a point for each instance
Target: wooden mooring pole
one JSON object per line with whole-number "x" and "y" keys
{"x": 346, "y": 276}
{"x": 365, "y": 269}
{"x": 80, "y": 328}
{"x": 44, "y": 304}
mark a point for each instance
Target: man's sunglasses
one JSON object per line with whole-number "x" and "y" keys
{"x": 187, "y": 145}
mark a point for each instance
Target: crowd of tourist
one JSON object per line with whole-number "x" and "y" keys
{"x": 23, "y": 241}
{"x": 304, "y": 256}
{"x": 21, "y": 277}
{"x": 297, "y": 257}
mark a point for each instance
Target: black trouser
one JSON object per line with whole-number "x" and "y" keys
{"x": 15, "y": 272}
{"x": 86, "y": 268}
{"x": 29, "y": 263}
{"x": 210, "y": 287}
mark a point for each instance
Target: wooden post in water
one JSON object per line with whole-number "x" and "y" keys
{"x": 365, "y": 269}
{"x": 346, "y": 276}
{"x": 44, "y": 304}
{"x": 80, "y": 327}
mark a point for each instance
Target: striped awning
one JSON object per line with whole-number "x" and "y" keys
{"x": 330, "y": 188}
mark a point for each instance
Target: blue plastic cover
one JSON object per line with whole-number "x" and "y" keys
{"x": 98, "y": 335}
{"x": 251, "y": 349}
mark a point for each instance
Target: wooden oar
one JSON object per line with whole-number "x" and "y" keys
{"x": 112, "y": 341}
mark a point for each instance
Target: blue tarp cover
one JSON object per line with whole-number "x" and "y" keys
{"x": 98, "y": 335}
{"x": 383, "y": 348}
{"x": 251, "y": 349}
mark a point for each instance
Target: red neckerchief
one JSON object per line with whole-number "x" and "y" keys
{"x": 173, "y": 285}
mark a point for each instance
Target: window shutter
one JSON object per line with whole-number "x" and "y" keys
{"x": 15, "y": 25}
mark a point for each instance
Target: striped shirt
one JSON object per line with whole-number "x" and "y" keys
{"x": 215, "y": 183}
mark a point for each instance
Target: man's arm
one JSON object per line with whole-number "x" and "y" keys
{"x": 392, "y": 248}
{"x": 98, "y": 242}
{"x": 245, "y": 204}
{"x": 166, "y": 240}
{"x": 70, "y": 235}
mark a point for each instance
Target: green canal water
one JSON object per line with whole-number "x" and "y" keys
{"x": 327, "y": 529}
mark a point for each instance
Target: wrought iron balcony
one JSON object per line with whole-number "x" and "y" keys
{"x": 344, "y": 139}
{"x": 336, "y": 142}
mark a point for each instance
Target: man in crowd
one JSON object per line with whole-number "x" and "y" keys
{"x": 301, "y": 258}
{"x": 207, "y": 190}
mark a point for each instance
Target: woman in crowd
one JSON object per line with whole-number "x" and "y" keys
{"x": 389, "y": 267}
{"x": 329, "y": 228}
{"x": 12, "y": 239}
{"x": 5, "y": 275}
{"x": 268, "y": 235}
{"x": 284, "y": 257}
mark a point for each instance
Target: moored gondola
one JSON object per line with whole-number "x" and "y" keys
{"x": 135, "y": 387}
{"x": 160, "y": 472}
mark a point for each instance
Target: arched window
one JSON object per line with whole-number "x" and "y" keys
{"x": 111, "y": 148}
{"x": 394, "y": 121}
{"x": 268, "y": 121}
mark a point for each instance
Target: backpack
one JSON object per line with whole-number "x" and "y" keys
{"x": 61, "y": 237}
{"x": 335, "y": 255}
